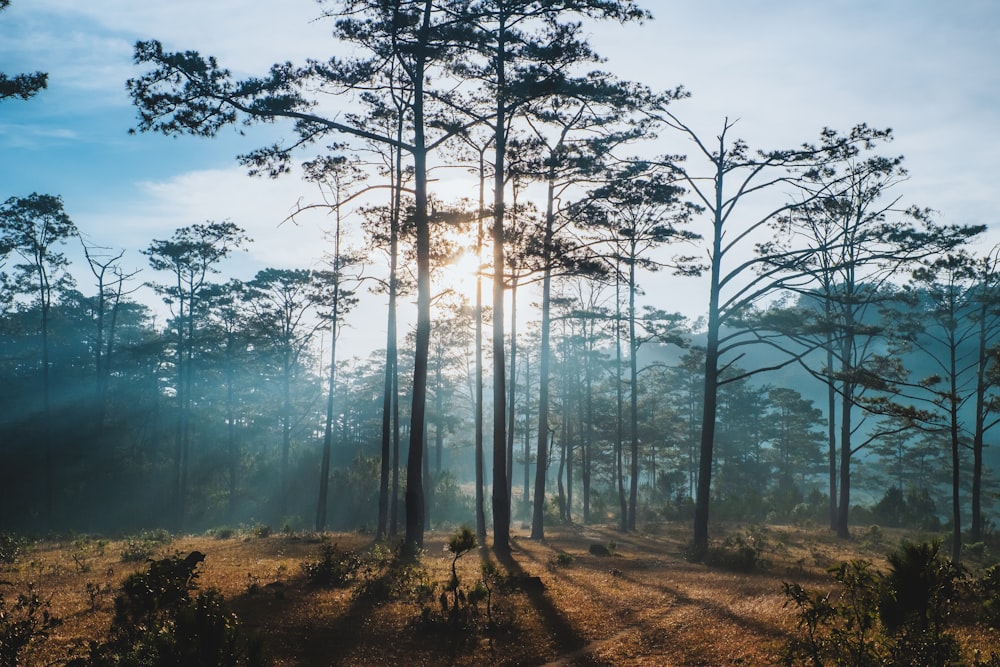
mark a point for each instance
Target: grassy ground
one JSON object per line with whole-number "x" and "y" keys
{"x": 645, "y": 604}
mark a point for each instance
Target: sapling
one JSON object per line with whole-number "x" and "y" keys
{"x": 461, "y": 543}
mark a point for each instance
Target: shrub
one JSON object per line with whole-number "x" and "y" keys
{"x": 387, "y": 576}
{"x": 900, "y": 618}
{"x": 11, "y": 546}
{"x": 335, "y": 567}
{"x": 26, "y": 622}
{"x": 988, "y": 589}
{"x": 917, "y": 597}
{"x": 157, "y": 623}
{"x": 142, "y": 546}
{"x": 742, "y": 553}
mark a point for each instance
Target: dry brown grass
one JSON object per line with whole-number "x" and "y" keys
{"x": 646, "y": 605}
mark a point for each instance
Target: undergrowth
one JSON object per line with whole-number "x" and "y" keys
{"x": 901, "y": 618}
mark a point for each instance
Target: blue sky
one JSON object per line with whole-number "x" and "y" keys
{"x": 784, "y": 68}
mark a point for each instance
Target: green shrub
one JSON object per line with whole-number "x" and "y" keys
{"x": 387, "y": 576}
{"x": 899, "y": 618}
{"x": 24, "y": 623}
{"x": 141, "y": 547}
{"x": 988, "y": 589}
{"x": 157, "y": 623}
{"x": 335, "y": 567}
{"x": 741, "y": 553}
{"x": 12, "y": 546}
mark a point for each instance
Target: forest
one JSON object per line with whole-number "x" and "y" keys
{"x": 843, "y": 369}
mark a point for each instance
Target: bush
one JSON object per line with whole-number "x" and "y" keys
{"x": 742, "y": 553}
{"x": 142, "y": 546}
{"x": 988, "y": 589}
{"x": 157, "y": 623}
{"x": 335, "y": 567}
{"x": 25, "y": 623}
{"x": 900, "y": 618}
{"x": 11, "y": 546}
{"x": 386, "y": 576}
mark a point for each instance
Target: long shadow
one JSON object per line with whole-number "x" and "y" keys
{"x": 679, "y": 597}
{"x": 323, "y": 639}
{"x": 566, "y": 636}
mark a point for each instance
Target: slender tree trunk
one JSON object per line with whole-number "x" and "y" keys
{"x": 286, "y": 430}
{"x": 831, "y": 424}
{"x": 50, "y": 485}
{"x": 843, "y": 508}
{"x": 538, "y": 517}
{"x": 710, "y": 400}
{"x": 953, "y": 402}
{"x": 231, "y": 429}
{"x": 178, "y": 481}
{"x": 512, "y": 387}
{"x": 588, "y": 437}
{"x": 619, "y": 410}
{"x": 633, "y": 497}
{"x": 480, "y": 482}
{"x": 414, "y": 483}
{"x": 976, "y": 529}
{"x": 390, "y": 425}
{"x": 501, "y": 502}
{"x": 324, "y": 467}
{"x": 394, "y": 506}
{"x": 526, "y": 499}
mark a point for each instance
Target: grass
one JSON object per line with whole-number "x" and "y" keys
{"x": 645, "y": 605}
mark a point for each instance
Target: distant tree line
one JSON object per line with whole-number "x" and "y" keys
{"x": 238, "y": 408}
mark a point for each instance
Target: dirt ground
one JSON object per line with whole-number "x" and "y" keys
{"x": 642, "y": 605}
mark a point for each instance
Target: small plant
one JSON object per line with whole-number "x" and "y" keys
{"x": 26, "y": 622}
{"x": 874, "y": 538}
{"x": 742, "y": 553}
{"x": 261, "y": 530}
{"x": 142, "y": 546}
{"x": 562, "y": 559}
{"x": 386, "y": 575}
{"x": 12, "y": 546}
{"x": 80, "y": 562}
{"x": 136, "y": 551}
{"x": 335, "y": 567}
{"x": 222, "y": 533}
{"x": 976, "y": 551}
{"x": 988, "y": 589}
{"x": 97, "y": 593}
{"x": 461, "y": 543}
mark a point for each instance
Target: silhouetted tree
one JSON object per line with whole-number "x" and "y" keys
{"x": 191, "y": 255}
{"x": 32, "y": 227}
{"x": 734, "y": 177}
{"x": 186, "y": 93}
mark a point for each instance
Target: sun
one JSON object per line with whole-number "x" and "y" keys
{"x": 458, "y": 277}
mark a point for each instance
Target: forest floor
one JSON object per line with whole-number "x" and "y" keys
{"x": 644, "y": 604}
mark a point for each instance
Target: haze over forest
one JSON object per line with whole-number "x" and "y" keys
{"x": 689, "y": 327}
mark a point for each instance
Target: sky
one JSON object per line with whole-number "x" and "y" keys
{"x": 784, "y": 69}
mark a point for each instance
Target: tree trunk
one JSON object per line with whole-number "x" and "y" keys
{"x": 414, "y": 539}
{"x": 538, "y": 517}
{"x": 324, "y": 466}
{"x": 710, "y": 400}
{"x": 619, "y": 410}
{"x": 501, "y": 502}
{"x": 390, "y": 425}
{"x": 633, "y": 496}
